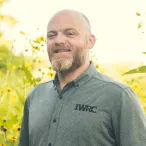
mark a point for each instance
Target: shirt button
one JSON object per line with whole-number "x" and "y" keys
{"x": 77, "y": 85}
{"x": 54, "y": 120}
{"x": 49, "y": 144}
{"x": 60, "y": 97}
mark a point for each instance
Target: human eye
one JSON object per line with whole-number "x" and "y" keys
{"x": 51, "y": 35}
{"x": 70, "y": 33}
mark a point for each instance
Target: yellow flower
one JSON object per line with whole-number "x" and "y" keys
{"x": 14, "y": 67}
{"x": 13, "y": 138}
{"x": 39, "y": 39}
{"x": 51, "y": 74}
{"x": 16, "y": 127}
{"x": 28, "y": 66}
{"x": 135, "y": 87}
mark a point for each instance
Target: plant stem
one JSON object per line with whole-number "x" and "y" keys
{"x": 5, "y": 135}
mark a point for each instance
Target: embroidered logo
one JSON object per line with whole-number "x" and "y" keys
{"x": 87, "y": 108}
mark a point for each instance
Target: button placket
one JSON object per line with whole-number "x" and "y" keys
{"x": 77, "y": 85}
{"x": 55, "y": 120}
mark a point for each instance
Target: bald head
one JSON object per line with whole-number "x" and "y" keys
{"x": 69, "y": 39}
{"x": 76, "y": 16}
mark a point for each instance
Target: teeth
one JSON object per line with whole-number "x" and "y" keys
{"x": 63, "y": 51}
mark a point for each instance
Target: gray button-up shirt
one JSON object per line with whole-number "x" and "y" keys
{"x": 93, "y": 110}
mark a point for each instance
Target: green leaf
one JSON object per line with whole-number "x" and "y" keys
{"x": 141, "y": 69}
{"x": 144, "y": 52}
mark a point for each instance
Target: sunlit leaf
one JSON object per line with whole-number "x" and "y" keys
{"x": 144, "y": 52}
{"x": 141, "y": 69}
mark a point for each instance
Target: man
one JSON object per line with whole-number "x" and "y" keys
{"x": 80, "y": 107}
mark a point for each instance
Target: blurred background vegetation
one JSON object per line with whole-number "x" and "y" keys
{"x": 20, "y": 73}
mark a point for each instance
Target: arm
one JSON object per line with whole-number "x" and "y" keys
{"x": 129, "y": 120}
{"x": 24, "y": 134}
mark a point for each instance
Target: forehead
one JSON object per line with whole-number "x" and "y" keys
{"x": 65, "y": 20}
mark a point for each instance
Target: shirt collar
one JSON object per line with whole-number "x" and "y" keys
{"x": 83, "y": 78}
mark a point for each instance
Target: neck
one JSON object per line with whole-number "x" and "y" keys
{"x": 67, "y": 77}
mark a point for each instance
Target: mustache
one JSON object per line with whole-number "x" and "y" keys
{"x": 58, "y": 48}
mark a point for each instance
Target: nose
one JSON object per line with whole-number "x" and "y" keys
{"x": 60, "y": 38}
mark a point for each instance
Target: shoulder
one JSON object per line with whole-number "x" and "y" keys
{"x": 116, "y": 93}
{"x": 109, "y": 82}
{"x": 40, "y": 88}
{"x": 43, "y": 86}
{"x": 112, "y": 90}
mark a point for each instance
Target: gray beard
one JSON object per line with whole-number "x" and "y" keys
{"x": 67, "y": 65}
{"x": 61, "y": 64}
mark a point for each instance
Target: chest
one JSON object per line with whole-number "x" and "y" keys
{"x": 76, "y": 114}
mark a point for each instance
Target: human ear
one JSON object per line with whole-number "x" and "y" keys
{"x": 92, "y": 41}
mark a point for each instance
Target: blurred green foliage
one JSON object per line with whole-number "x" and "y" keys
{"x": 16, "y": 80}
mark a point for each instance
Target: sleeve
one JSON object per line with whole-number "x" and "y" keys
{"x": 129, "y": 120}
{"x": 24, "y": 134}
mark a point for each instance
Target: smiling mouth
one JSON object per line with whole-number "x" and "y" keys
{"x": 62, "y": 51}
